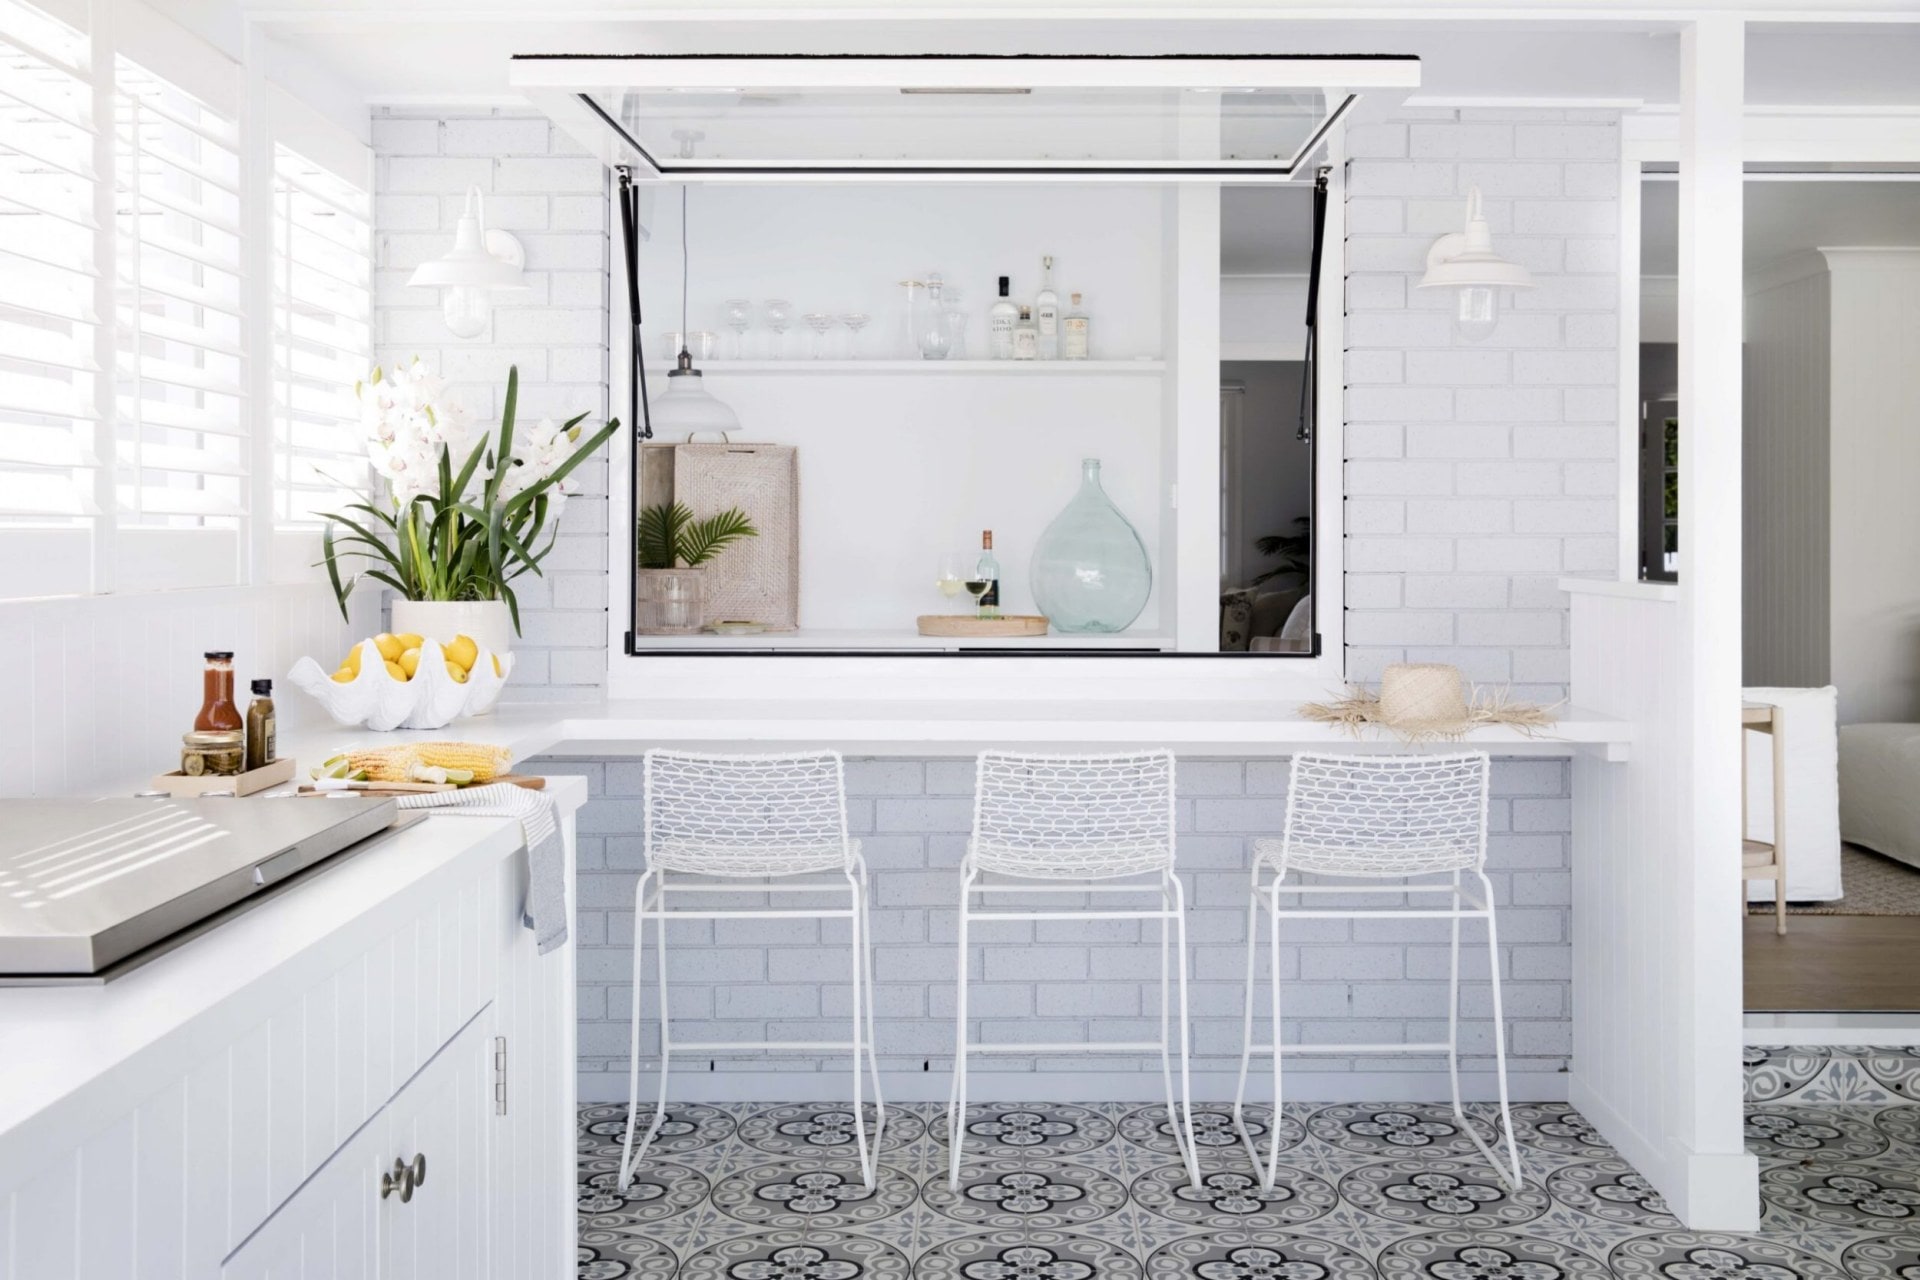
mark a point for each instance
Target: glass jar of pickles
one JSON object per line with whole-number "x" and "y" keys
{"x": 216, "y": 752}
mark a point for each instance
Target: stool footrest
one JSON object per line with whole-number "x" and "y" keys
{"x": 1072, "y": 1046}
{"x": 757, "y": 1046}
{"x": 1437, "y": 1046}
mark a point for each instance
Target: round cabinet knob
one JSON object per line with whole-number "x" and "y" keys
{"x": 419, "y": 1170}
{"x": 400, "y": 1180}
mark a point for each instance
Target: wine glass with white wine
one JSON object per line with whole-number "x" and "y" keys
{"x": 950, "y": 578}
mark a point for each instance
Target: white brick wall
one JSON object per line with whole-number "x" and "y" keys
{"x": 1476, "y": 476}
{"x": 1471, "y": 483}
{"x": 554, "y": 199}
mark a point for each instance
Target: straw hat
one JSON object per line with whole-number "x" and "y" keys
{"x": 1424, "y": 700}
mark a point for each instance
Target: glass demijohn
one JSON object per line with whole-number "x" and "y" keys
{"x": 1090, "y": 572}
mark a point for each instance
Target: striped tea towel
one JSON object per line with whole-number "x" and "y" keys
{"x": 546, "y": 906}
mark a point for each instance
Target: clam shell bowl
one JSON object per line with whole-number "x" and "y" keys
{"x": 432, "y": 698}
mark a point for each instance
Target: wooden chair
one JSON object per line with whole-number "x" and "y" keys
{"x": 1760, "y": 860}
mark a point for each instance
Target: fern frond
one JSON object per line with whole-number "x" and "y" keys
{"x": 707, "y": 538}
{"x": 661, "y": 530}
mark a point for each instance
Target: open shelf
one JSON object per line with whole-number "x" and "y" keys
{"x": 930, "y": 368}
{"x": 883, "y": 640}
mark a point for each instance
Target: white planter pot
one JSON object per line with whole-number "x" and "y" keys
{"x": 486, "y": 621}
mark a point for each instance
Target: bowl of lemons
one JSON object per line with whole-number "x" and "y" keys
{"x": 406, "y": 681}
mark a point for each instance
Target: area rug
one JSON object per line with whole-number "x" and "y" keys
{"x": 1872, "y": 885}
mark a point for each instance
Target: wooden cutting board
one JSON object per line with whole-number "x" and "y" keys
{"x": 532, "y": 782}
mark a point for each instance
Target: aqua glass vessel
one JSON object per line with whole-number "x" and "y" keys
{"x": 1090, "y": 573}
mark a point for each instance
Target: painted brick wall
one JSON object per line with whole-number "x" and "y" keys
{"x": 1480, "y": 473}
{"x": 555, "y": 200}
{"x": 1477, "y": 474}
{"x": 1355, "y": 980}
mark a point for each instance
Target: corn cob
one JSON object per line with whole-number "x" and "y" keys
{"x": 397, "y": 763}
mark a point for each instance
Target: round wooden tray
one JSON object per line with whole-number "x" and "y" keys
{"x": 966, "y": 625}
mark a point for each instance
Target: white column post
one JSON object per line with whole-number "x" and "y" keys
{"x": 1723, "y": 1191}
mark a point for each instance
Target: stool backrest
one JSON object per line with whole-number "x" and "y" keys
{"x": 745, "y": 815}
{"x": 1385, "y": 815}
{"x": 1073, "y": 816}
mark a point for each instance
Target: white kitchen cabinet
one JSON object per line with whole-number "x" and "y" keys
{"x": 227, "y": 1111}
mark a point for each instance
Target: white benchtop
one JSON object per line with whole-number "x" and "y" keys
{"x": 67, "y": 1051}
{"x": 947, "y": 727}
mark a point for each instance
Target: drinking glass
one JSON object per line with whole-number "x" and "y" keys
{"x": 820, "y": 322}
{"x": 777, "y": 315}
{"x": 933, "y": 338}
{"x": 910, "y": 318}
{"x": 978, "y": 588}
{"x": 700, "y": 344}
{"x": 855, "y": 322}
{"x": 739, "y": 319}
{"x": 950, "y": 576}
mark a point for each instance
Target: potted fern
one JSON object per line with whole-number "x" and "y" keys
{"x": 670, "y": 594}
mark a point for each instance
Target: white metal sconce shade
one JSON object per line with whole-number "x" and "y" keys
{"x": 480, "y": 262}
{"x": 1465, "y": 261}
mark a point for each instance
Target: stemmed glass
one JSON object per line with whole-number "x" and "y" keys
{"x": 739, "y": 319}
{"x": 820, "y": 322}
{"x": 954, "y": 569}
{"x": 978, "y": 588}
{"x": 855, "y": 322}
{"x": 777, "y": 314}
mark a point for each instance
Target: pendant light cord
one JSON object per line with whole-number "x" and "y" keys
{"x": 684, "y": 335}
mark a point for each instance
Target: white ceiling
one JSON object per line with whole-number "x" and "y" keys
{"x": 1788, "y": 217}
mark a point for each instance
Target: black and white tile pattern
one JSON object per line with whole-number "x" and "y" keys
{"x": 1365, "y": 1192}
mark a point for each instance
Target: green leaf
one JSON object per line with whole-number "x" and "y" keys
{"x": 660, "y": 529}
{"x": 340, "y": 592}
{"x": 707, "y": 538}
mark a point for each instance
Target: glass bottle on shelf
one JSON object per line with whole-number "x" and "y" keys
{"x": 934, "y": 338}
{"x": 1001, "y": 319}
{"x": 1046, "y": 313}
{"x": 956, "y": 323}
{"x": 986, "y": 569}
{"x": 1026, "y": 338}
{"x": 217, "y": 711}
{"x": 1075, "y": 340}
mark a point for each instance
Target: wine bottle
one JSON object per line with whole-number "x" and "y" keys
{"x": 988, "y": 568}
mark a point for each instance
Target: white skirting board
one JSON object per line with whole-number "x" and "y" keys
{"x": 1813, "y": 792}
{"x": 1077, "y": 1086}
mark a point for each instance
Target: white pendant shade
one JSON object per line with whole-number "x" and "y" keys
{"x": 686, "y": 406}
{"x": 480, "y": 259}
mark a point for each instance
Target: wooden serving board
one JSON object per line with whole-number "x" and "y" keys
{"x": 531, "y": 782}
{"x": 963, "y": 626}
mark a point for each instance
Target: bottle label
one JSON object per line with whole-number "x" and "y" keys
{"x": 1075, "y": 340}
{"x": 1026, "y": 344}
{"x": 1048, "y": 321}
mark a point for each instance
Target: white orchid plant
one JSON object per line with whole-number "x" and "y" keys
{"x": 452, "y": 530}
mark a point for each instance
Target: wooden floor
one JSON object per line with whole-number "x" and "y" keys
{"x": 1834, "y": 963}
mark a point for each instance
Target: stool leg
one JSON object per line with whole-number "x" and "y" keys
{"x": 957, "y": 1100}
{"x": 1453, "y": 1006}
{"x": 1510, "y": 1173}
{"x": 856, "y": 919}
{"x": 1246, "y": 1022}
{"x": 1273, "y": 981}
{"x": 866, "y": 955}
{"x": 1177, "y": 926}
{"x": 629, "y": 1158}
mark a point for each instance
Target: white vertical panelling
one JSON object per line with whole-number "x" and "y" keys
{"x": 249, "y": 1166}
{"x": 1876, "y": 454}
{"x": 209, "y": 1124}
{"x": 107, "y": 1177}
{"x": 46, "y": 1219}
{"x": 160, "y": 1170}
{"x": 1787, "y": 498}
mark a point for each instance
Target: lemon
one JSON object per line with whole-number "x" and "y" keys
{"x": 389, "y": 646}
{"x": 394, "y": 669}
{"x": 352, "y": 661}
{"x": 458, "y": 672}
{"x": 408, "y": 640}
{"x": 410, "y": 662}
{"x": 463, "y": 651}
{"x": 343, "y": 676}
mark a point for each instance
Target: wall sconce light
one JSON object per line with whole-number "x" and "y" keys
{"x": 1465, "y": 261}
{"x": 480, "y": 263}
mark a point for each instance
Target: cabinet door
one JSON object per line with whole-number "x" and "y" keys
{"x": 444, "y": 1119}
{"x": 326, "y": 1229}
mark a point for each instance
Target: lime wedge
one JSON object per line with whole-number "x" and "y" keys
{"x": 332, "y": 767}
{"x": 458, "y": 777}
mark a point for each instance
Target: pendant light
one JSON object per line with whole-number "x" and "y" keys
{"x": 480, "y": 263}
{"x": 686, "y": 405}
{"x": 1465, "y": 261}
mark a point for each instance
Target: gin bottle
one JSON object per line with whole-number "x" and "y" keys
{"x": 1001, "y": 318}
{"x": 1046, "y": 313}
{"x": 1075, "y": 341}
{"x": 1026, "y": 337}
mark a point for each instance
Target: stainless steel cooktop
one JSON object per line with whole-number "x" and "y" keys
{"x": 86, "y": 884}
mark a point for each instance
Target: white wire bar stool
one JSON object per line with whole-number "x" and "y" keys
{"x": 718, "y": 824}
{"x": 1079, "y": 822}
{"x": 1376, "y": 817}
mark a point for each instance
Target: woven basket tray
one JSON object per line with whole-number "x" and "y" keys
{"x": 756, "y": 579}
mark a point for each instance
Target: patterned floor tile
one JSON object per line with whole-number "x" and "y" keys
{"x": 1364, "y": 1192}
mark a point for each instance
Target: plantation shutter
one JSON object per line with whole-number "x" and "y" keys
{"x": 181, "y": 451}
{"x": 49, "y": 375}
{"x": 322, "y": 338}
